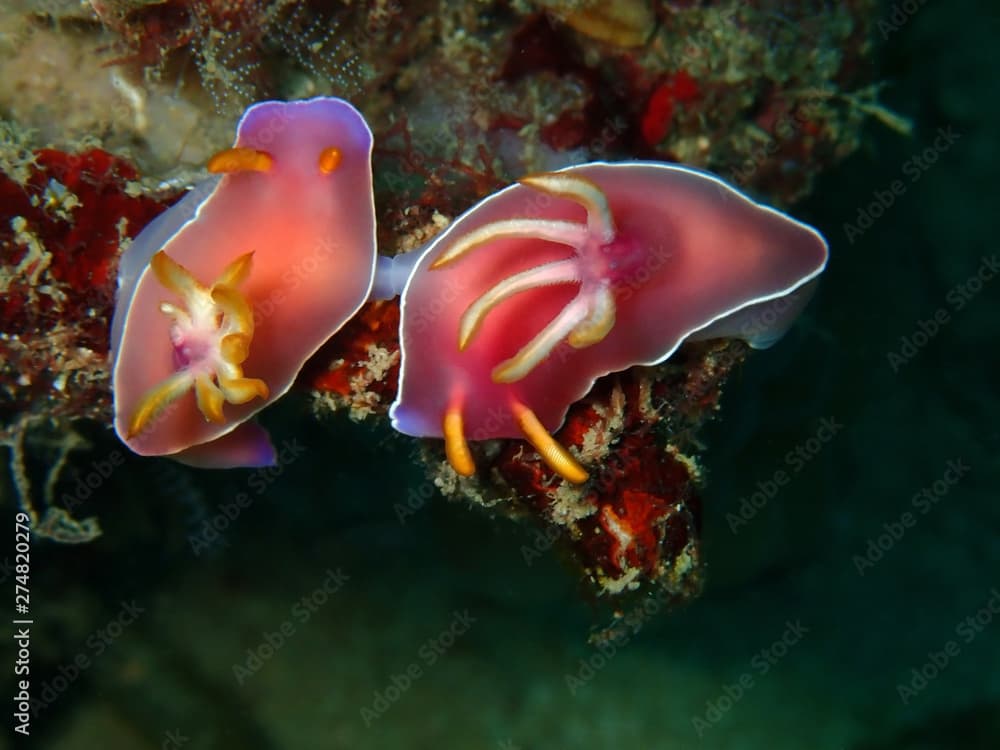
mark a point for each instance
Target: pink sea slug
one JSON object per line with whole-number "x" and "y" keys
{"x": 510, "y": 315}
{"x": 224, "y": 296}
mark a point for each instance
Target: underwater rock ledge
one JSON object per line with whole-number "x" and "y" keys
{"x": 765, "y": 96}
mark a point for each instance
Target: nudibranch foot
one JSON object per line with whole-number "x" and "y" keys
{"x": 590, "y": 316}
{"x": 248, "y": 445}
{"x": 211, "y": 334}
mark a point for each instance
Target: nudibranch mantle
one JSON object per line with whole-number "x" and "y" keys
{"x": 553, "y": 282}
{"x": 224, "y": 296}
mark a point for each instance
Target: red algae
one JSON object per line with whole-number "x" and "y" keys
{"x": 60, "y": 235}
{"x": 635, "y": 526}
{"x": 655, "y": 122}
{"x": 361, "y": 371}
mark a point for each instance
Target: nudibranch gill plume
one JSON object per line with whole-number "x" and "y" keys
{"x": 512, "y": 313}
{"x": 224, "y": 296}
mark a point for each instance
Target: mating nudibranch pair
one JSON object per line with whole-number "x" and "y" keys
{"x": 508, "y": 317}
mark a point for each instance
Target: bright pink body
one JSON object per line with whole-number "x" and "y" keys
{"x": 690, "y": 255}
{"x": 312, "y": 235}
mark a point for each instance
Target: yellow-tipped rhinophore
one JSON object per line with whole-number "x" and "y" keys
{"x": 555, "y": 455}
{"x": 240, "y": 160}
{"x": 329, "y": 159}
{"x": 455, "y": 445}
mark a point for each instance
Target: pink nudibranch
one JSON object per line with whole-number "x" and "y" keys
{"x": 224, "y": 296}
{"x": 512, "y": 313}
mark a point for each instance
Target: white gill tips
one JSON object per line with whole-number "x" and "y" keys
{"x": 179, "y": 314}
{"x": 563, "y": 232}
{"x": 557, "y": 272}
{"x": 584, "y": 192}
